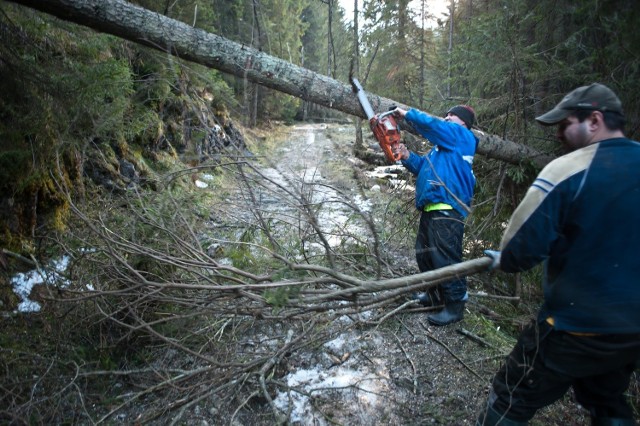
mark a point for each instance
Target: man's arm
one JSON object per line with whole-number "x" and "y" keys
{"x": 527, "y": 239}
{"x": 538, "y": 221}
{"x": 436, "y": 130}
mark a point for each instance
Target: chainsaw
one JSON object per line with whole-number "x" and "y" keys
{"x": 384, "y": 125}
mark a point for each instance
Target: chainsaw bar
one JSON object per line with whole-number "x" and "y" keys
{"x": 362, "y": 97}
{"x": 383, "y": 126}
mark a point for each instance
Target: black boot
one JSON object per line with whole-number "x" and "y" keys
{"x": 452, "y": 312}
{"x": 492, "y": 418}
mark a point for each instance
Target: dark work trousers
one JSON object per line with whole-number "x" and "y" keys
{"x": 545, "y": 363}
{"x": 439, "y": 244}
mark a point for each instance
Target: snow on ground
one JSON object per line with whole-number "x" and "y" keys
{"x": 24, "y": 282}
{"x": 390, "y": 174}
{"x": 359, "y": 386}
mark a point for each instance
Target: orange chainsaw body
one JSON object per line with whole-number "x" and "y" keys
{"x": 384, "y": 126}
{"x": 386, "y": 131}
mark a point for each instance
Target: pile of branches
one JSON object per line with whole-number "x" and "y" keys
{"x": 179, "y": 324}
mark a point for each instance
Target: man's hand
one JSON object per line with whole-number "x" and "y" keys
{"x": 495, "y": 256}
{"x": 400, "y": 149}
{"x": 399, "y": 112}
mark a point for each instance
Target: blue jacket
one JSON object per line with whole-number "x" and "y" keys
{"x": 444, "y": 175}
{"x": 580, "y": 217}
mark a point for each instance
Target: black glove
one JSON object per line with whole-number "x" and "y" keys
{"x": 495, "y": 256}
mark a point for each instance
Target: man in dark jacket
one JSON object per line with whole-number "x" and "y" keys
{"x": 444, "y": 189}
{"x": 580, "y": 217}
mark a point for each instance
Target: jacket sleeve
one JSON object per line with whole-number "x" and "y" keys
{"x": 538, "y": 224}
{"x": 531, "y": 231}
{"x": 414, "y": 162}
{"x": 437, "y": 131}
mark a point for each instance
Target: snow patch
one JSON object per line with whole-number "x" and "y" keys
{"x": 352, "y": 383}
{"x": 24, "y": 282}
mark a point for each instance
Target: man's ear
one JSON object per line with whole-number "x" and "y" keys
{"x": 595, "y": 120}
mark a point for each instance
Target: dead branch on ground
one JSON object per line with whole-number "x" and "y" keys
{"x": 223, "y": 300}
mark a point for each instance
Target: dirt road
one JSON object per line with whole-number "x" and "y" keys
{"x": 401, "y": 371}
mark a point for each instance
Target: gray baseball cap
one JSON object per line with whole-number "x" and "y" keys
{"x": 595, "y": 97}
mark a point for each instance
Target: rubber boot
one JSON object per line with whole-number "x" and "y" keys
{"x": 611, "y": 421}
{"x": 492, "y": 418}
{"x": 452, "y": 312}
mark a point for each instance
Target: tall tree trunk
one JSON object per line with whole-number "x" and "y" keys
{"x": 402, "y": 79}
{"x": 331, "y": 63}
{"x": 256, "y": 41}
{"x": 403, "y": 17}
{"x": 423, "y": 47}
{"x": 358, "y": 146}
{"x": 152, "y": 29}
{"x": 450, "y": 50}
{"x": 305, "y": 104}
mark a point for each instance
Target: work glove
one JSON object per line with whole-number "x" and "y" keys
{"x": 495, "y": 257}
{"x": 397, "y": 112}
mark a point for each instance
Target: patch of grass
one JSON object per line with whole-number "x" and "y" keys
{"x": 502, "y": 340}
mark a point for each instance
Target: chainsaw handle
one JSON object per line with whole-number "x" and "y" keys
{"x": 388, "y": 152}
{"x": 386, "y": 113}
{"x": 399, "y": 155}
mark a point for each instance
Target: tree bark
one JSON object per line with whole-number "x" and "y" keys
{"x": 152, "y": 29}
{"x": 358, "y": 146}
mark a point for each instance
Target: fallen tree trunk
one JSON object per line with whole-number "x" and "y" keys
{"x": 152, "y": 29}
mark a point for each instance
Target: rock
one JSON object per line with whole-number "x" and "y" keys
{"x": 128, "y": 170}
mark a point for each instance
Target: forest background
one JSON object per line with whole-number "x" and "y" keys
{"x": 87, "y": 117}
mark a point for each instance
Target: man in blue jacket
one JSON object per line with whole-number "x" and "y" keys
{"x": 444, "y": 189}
{"x": 580, "y": 217}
